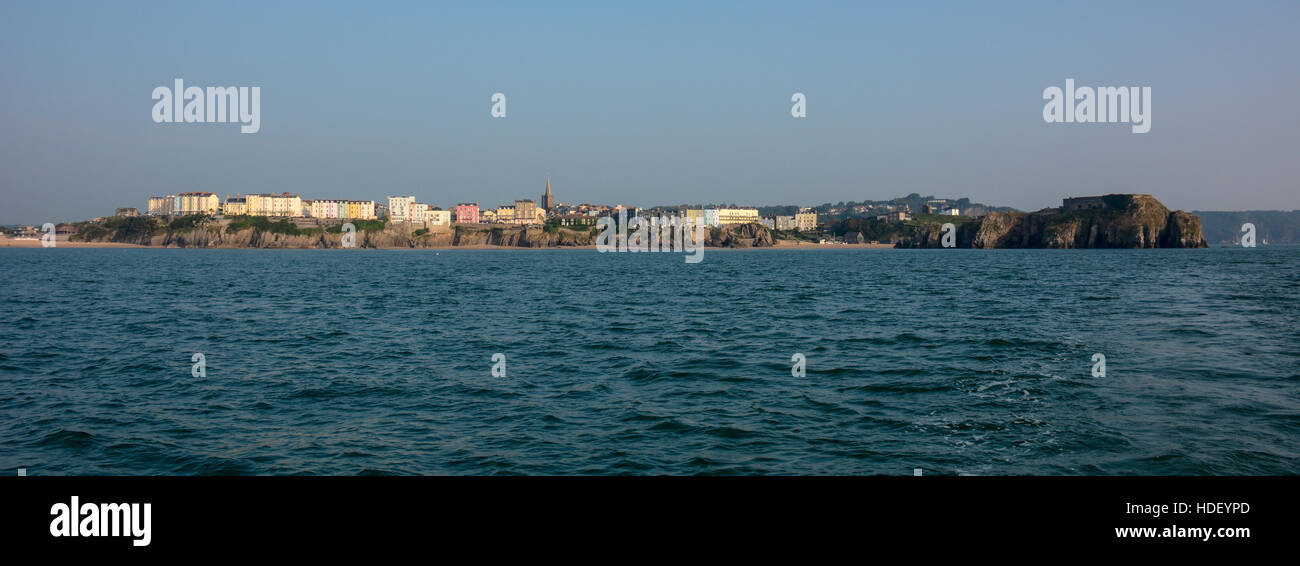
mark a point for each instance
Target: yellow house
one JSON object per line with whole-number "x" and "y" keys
{"x": 506, "y": 214}
{"x": 737, "y": 216}
{"x": 282, "y": 204}
{"x": 234, "y": 206}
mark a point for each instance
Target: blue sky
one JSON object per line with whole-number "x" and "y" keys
{"x": 648, "y": 103}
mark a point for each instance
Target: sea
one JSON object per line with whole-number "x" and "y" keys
{"x": 788, "y": 362}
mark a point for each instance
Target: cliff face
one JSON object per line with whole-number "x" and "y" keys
{"x": 740, "y": 236}
{"x": 1008, "y": 230}
{"x": 931, "y": 236}
{"x": 520, "y": 237}
{"x": 251, "y": 238}
{"x": 402, "y": 237}
{"x": 1126, "y": 221}
{"x": 215, "y": 235}
{"x": 1183, "y": 230}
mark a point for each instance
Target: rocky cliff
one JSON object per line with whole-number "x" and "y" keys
{"x": 1124, "y": 221}
{"x": 514, "y": 237}
{"x": 209, "y": 234}
{"x": 740, "y": 236}
{"x": 209, "y": 237}
{"x": 930, "y": 235}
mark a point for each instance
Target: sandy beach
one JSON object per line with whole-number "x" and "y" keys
{"x": 796, "y": 245}
{"x": 7, "y": 242}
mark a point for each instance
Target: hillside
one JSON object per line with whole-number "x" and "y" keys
{"x": 1274, "y": 226}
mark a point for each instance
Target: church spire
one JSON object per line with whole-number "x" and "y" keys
{"x": 548, "y": 201}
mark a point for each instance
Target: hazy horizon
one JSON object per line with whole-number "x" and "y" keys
{"x": 648, "y": 104}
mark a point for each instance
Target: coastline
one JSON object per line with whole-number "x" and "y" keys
{"x": 793, "y": 245}
{"x": 6, "y": 242}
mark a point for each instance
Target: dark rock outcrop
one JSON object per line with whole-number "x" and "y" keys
{"x": 931, "y": 235}
{"x": 740, "y": 236}
{"x": 1126, "y": 221}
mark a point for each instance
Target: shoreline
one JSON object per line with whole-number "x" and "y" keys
{"x": 13, "y": 243}
{"x": 781, "y": 245}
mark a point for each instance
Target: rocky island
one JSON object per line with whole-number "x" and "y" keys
{"x": 1109, "y": 221}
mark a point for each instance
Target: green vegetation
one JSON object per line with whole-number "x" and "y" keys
{"x": 871, "y": 229}
{"x": 116, "y": 229}
{"x": 421, "y": 232}
{"x": 186, "y": 223}
{"x": 924, "y": 219}
{"x": 794, "y": 235}
{"x": 554, "y": 225}
{"x": 361, "y": 226}
{"x": 89, "y": 233}
{"x": 885, "y": 231}
{"x": 264, "y": 224}
{"x": 1118, "y": 202}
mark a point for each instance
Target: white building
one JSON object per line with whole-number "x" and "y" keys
{"x": 437, "y": 217}
{"x": 161, "y": 206}
{"x": 321, "y": 208}
{"x": 941, "y": 208}
{"x": 805, "y": 221}
{"x": 197, "y": 202}
{"x": 737, "y": 216}
{"x": 399, "y": 209}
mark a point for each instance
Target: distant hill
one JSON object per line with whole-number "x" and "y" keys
{"x": 913, "y": 203}
{"x": 1276, "y": 226}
